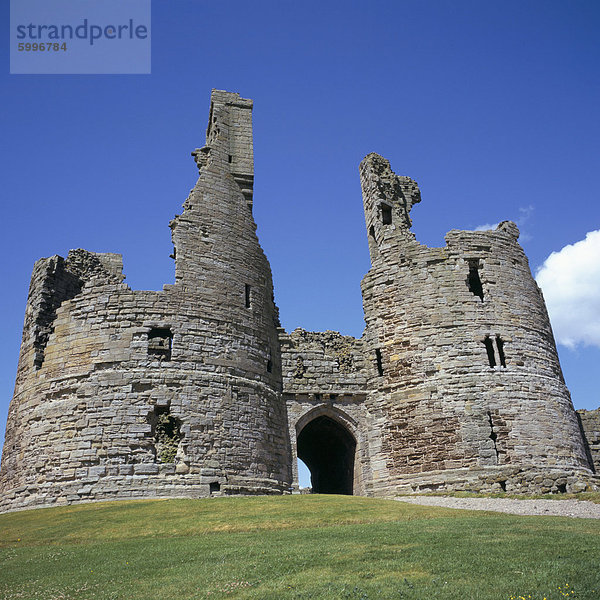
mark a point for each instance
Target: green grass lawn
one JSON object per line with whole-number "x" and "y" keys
{"x": 330, "y": 547}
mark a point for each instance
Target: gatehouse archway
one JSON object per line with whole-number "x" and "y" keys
{"x": 328, "y": 448}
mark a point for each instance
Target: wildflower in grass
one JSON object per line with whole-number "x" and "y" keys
{"x": 565, "y": 591}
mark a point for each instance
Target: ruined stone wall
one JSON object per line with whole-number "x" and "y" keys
{"x": 464, "y": 381}
{"x": 124, "y": 393}
{"x": 590, "y": 425}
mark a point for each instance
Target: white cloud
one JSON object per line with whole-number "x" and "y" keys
{"x": 486, "y": 227}
{"x": 570, "y": 280}
{"x": 525, "y": 213}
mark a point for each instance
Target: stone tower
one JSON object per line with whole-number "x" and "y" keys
{"x": 465, "y": 388}
{"x": 124, "y": 393}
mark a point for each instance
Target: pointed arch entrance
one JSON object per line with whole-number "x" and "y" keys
{"x": 328, "y": 449}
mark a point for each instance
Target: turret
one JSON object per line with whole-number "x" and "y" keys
{"x": 466, "y": 389}
{"x": 125, "y": 393}
{"x": 388, "y": 199}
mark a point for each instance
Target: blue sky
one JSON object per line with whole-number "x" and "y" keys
{"x": 491, "y": 106}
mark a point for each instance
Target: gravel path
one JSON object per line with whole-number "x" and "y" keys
{"x": 557, "y": 508}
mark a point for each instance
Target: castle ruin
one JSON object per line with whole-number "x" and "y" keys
{"x": 196, "y": 390}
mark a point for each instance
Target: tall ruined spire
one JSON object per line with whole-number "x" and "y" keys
{"x": 229, "y": 140}
{"x": 388, "y": 199}
{"x": 215, "y": 235}
{"x": 218, "y": 257}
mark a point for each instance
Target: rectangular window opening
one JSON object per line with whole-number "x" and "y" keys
{"x": 489, "y": 346}
{"x": 473, "y": 280}
{"x": 379, "y": 362}
{"x": 269, "y": 366}
{"x": 166, "y": 431}
{"x": 247, "y": 296}
{"x": 214, "y": 487}
{"x": 500, "y": 344}
{"x": 160, "y": 341}
{"x": 386, "y": 214}
{"x": 230, "y": 158}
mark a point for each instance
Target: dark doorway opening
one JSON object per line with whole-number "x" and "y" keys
{"x": 327, "y": 448}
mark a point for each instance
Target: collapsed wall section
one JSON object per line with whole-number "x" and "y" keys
{"x": 465, "y": 384}
{"x": 54, "y": 284}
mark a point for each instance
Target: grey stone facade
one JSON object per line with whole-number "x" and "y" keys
{"x": 468, "y": 392}
{"x": 590, "y": 426}
{"x": 195, "y": 390}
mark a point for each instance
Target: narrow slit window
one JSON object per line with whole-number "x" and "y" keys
{"x": 473, "y": 280}
{"x": 379, "y": 362}
{"x": 493, "y": 436}
{"x": 386, "y": 214}
{"x": 230, "y": 158}
{"x": 489, "y": 346}
{"x": 160, "y": 341}
{"x": 269, "y": 366}
{"x": 500, "y": 344}
{"x": 247, "y": 296}
{"x": 372, "y": 231}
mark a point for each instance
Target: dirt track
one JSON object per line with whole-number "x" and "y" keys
{"x": 557, "y": 508}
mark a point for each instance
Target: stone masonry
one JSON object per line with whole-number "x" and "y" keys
{"x": 590, "y": 426}
{"x": 124, "y": 393}
{"x": 467, "y": 392}
{"x": 195, "y": 390}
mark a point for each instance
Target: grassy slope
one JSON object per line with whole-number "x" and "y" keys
{"x": 292, "y": 547}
